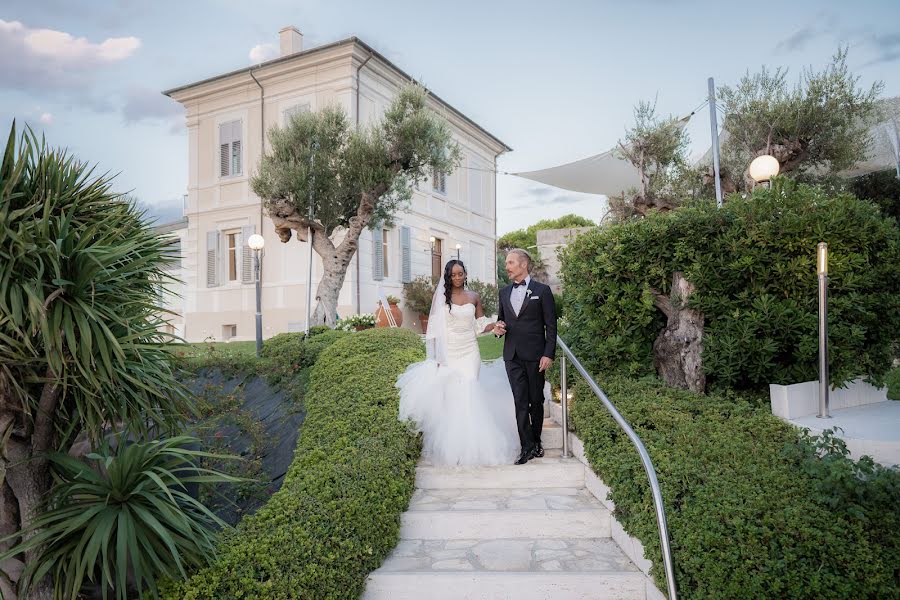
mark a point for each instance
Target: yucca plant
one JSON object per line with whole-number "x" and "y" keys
{"x": 123, "y": 519}
{"x": 81, "y": 346}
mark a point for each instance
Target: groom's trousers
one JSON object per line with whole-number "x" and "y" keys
{"x": 527, "y": 383}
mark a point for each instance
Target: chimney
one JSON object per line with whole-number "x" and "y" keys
{"x": 291, "y": 40}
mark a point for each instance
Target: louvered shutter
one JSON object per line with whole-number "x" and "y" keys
{"x": 236, "y": 147}
{"x": 247, "y": 271}
{"x": 406, "y": 254}
{"x": 212, "y": 258}
{"x": 225, "y": 149}
{"x": 378, "y": 253}
{"x": 443, "y": 182}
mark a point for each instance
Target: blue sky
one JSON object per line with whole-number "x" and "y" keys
{"x": 556, "y": 81}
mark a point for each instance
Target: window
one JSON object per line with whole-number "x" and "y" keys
{"x": 437, "y": 253}
{"x": 297, "y": 109}
{"x": 228, "y": 332}
{"x": 384, "y": 251}
{"x": 230, "y": 148}
{"x": 231, "y": 243}
{"x": 439, "y": 181}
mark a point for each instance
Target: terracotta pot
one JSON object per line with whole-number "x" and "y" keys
{"x": 424, "y": 321}
{"x": 361, "y": 327}
{"x": 381, "y": 319}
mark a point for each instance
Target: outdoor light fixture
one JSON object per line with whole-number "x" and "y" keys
{"x": 822, "y": 269}
{"x": 764, "y": 168}
{"x": 256, "y": 243}
{"x": 457, "y": 251}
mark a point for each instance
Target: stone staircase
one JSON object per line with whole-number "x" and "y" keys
{"x": 520, "y": 532}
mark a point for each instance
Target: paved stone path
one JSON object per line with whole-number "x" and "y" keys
{"x": 519, "y": 532}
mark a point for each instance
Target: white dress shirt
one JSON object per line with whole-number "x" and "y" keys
{"x": 517, "y": 296}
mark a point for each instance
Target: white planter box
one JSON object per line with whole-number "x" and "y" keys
{"x": 802, "y": 399}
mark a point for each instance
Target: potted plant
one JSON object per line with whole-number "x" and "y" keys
{"x": 417, "y": 295}
{"x": 357, "y": 322}
{"x": 381, "y": 319}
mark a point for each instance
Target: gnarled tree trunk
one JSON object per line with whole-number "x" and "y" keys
{"x": 678, "y": 351}
{"x": 335, "y": 259}
{"x": 26, "y": 478}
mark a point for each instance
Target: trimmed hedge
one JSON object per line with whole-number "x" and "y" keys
{"x": 753, "y": 263}
{"x": 752, "y": 511}
{"x": 337, "y": 516}
{"x": 287, "y": 354}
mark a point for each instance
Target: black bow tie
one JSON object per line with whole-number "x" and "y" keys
{"x": 515, "y": 285}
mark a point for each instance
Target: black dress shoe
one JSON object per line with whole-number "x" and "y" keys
{"x": 524, "y": 457}
{"x": 539, "y": 451}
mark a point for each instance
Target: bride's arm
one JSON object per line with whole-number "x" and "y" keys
{"x": 481, "y": 321}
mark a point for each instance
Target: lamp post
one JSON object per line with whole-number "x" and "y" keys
{"x": 458, "y": 246}
{"x": 764, "y": 168}
{"x": 256, "y": 243}
{"x": 822, "y": 269}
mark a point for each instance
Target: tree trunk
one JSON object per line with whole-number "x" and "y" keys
{"x": 335, "y": 261}
{"x": 26, "y": 476}
{"x": 678, "y": 351}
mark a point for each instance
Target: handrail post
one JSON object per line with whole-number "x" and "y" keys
{"x": 564, "y": 402}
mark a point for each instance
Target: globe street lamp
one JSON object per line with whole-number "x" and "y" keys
{"x": 256, "y": 243}
{"x": 458, "y": 246}
{"x": 764, "y": 168}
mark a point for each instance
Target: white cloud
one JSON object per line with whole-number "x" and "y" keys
{"x": 46, "y": 118}
{"x": 47, "y": 60}
{"x": 263, "y": 52}
{"x": 63, "y": 47}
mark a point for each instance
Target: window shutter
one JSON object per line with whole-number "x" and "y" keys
{"x": 224, "y": 149}
{"x": 377, "y": 253}
{"x": 406, "y": 254}
{"x": 212, "y": 258}
{"x": 236, "y": 146}
{"x": 443, "y": 182}
{"x": 247, "y": 271}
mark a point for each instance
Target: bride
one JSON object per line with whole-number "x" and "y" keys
{"x": 464, "y": 410}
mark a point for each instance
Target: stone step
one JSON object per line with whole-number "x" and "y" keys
{"x": 465, "y": 585}
{"x": 548, "y": 454}
{"x": 503, "y": 499}
{"x": 504, "y": 568}
{"x": 551, "y": 435}
{"x": 539, "y": 473}
{"x": 504, "y": 524}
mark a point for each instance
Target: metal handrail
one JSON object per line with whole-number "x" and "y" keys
{"x": 638, "y": 444}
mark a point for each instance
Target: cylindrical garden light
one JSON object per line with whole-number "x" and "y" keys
{"x": 822, "y": 270}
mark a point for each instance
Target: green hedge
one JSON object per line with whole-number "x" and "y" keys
{"x": 286, "y": 354}
{"x": 753, "y": 265}
{"x": 749, "y": 516}
{"x": 337, "y": 516}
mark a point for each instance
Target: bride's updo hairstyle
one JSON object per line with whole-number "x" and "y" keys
{"x": 448, "y": 283}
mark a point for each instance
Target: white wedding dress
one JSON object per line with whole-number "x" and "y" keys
{"x": 464, "y": 410}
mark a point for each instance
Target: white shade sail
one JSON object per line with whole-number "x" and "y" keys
{"x": 608, "y": 173}
{"x": 605, "y": 173}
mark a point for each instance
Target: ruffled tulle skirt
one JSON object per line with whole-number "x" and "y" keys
{"x": 464, "y": 421}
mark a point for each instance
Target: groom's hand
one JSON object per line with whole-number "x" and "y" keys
{"x": 499, "y": 328}
{"x": 546, "y": 363}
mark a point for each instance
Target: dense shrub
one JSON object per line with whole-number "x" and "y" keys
{"x": 753, "y": 265}
{"x": 338, "y": 513}
{"x": 489, "y": 294}
{"x": 882, "y": 188}
{"x": 751, "y": 513}
{"x": 288, "y": 353}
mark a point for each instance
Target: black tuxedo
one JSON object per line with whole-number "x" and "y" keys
{"x": 530, "y": 335}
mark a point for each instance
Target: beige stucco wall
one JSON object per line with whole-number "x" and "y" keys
{"x": 222, "y": 204}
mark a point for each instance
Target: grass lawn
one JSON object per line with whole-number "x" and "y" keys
{"x": 201, "y": 349}
{"x": 491, "y": 347}
{"x": 893, "y": 383}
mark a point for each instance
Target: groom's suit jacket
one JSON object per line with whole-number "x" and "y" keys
{"x": 531, "y": 333}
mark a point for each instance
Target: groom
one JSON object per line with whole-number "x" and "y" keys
{"x": 527, "y": 317}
